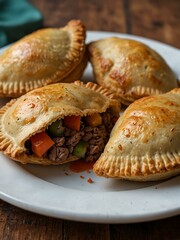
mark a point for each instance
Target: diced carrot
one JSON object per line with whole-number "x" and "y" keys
{"x": 41, "y": 142}
{"x": 94, "y": 120}
{"x": 90, "y": 180}
{"x": 72, "y": 122}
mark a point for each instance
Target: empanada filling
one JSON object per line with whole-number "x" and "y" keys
{"x": 82, "y": 137}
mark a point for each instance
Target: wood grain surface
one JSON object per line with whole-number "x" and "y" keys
{"x": 155, "y": 19}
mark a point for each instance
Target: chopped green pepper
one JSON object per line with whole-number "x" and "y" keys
{"x": 80, "y": 149}
{"x": 56, "y": 129}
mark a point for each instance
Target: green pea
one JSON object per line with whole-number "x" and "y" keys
{"x": 56, "y": 129}
{"x": 80, "y": 149}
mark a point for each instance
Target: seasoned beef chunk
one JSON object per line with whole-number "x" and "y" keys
{"x": 58, "y": 153}
{"x": 95, "y": 138}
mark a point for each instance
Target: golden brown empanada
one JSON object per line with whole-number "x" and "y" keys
{"x": 130, "y": 68}
{"x": 145, "y": 142}
{"x": 77, "y": 117}
{"x": 43, "y": 57}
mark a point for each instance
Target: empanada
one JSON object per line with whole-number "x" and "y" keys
{"x": 43, "y": 57}
{"x": 130, "y": 68}
{"x": 58, "y": 123}
{"x": 145, "y": 142}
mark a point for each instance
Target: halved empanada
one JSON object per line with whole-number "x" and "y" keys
{"x": 58, "y": 123}
{"x": 145, "y": 142}
{"x": 43, "y": 57}
{"x": 130, "y": 68}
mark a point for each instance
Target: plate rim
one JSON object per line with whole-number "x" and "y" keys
{"x": 132, "y": 36}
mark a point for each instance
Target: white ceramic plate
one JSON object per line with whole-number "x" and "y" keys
{"x": 58, "y": 192}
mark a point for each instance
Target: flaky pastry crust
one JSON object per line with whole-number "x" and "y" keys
{"x": 130, "y": 68}
{"x": 43, "y": 57}
{"x": 36, "y": 110}
{"x": 145, "y": 142}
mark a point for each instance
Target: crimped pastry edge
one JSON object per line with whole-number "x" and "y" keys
{"x": 149, "y": 168}
{"x": 18, "y": 88}
{"x": 17, "y": 152}
{"x": 134, "y": 93}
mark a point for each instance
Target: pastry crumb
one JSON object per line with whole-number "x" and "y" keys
{"x": 90, "y": 180}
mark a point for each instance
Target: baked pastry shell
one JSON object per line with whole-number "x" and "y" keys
{"x": 145, "y": 142}
{"x": 130, "y": 68}
{"x": 46, "y": 56}
{"x": 36, "y": 110}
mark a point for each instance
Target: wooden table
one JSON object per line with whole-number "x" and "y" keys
{"x": 155, "y": 19}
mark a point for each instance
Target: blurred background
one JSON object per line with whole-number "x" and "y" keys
{"x": 155, "y": 19}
